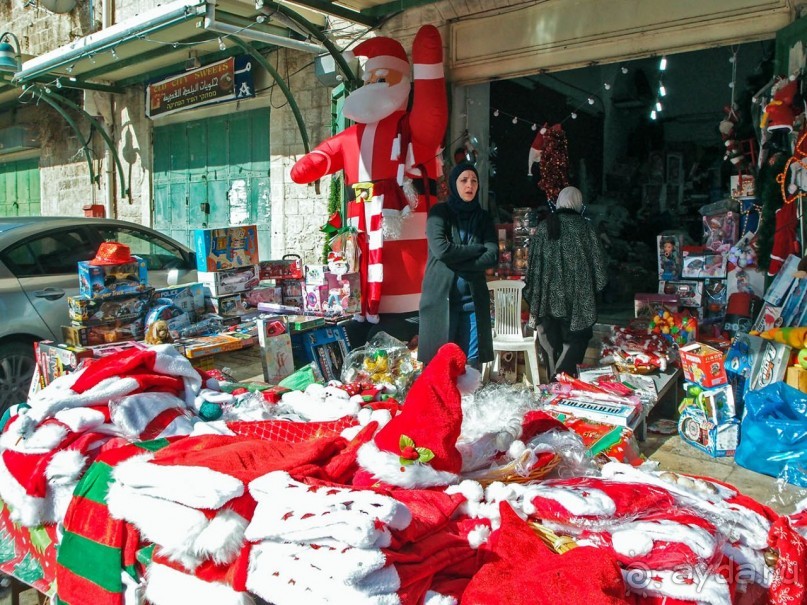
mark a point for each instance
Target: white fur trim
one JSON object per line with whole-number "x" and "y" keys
{"x": 66, "y": 466}
{"x": 710, "y": 589}
{"x": 435, "y": 598}
{"x": 472, "y": 490}
{"x": 478, "y": 536}
{"x": 387, "y": 467}
{"x": 216, "y": 427}
{"x": 637, "y": 538}
{"x": 387, "y": 62}
{"x": 37, "y": 440}
{"x": 171, "y": 526}
{"x": 579, "y": 501}
{"x": 193, "y": 486}
{"x": 470, "y": 381}
{"x": 516, "y": 449}
{"x": 80, "y": 419}
{"x": 167, "y": 586}
{"x": 327, "y": 159}
{"x": 748, "y": 558}
{"x": 223, "y": 537}
{"x": 134, "y": 412}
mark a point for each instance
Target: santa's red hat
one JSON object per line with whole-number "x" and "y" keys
{"x": 418, "y": 448}
{"x": 384, "y": 53}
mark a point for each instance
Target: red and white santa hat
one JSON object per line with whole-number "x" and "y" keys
{"x": 382, "y": 53}
{"x": 418, "y": 448}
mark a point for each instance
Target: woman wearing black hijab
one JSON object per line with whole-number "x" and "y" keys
{"x": 455, "y": 304}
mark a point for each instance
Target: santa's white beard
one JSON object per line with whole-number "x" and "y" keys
{"x": 374, "y": 102}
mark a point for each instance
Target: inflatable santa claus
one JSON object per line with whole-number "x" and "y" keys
{"x": 390, "y": 159}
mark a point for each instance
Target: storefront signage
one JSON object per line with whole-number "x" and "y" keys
{"x": 227, "y": 80}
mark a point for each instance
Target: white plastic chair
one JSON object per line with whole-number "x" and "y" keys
{"x": 508, "y": 334}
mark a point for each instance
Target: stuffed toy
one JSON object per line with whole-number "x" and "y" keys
{"x": 780, "y": 113}
{"x": 390, "y": 158}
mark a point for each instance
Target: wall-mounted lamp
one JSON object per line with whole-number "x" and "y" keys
{"x": 10, "y": 56}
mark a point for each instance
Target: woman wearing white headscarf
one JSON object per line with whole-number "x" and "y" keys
{"x": 566, "y": 269}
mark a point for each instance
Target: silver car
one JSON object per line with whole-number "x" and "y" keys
{"x": 38, "y": 271}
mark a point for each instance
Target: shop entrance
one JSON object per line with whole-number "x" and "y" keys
{"x": 213, "y": 173}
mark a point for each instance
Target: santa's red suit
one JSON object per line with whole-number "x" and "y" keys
{"x": 388, "y": 151}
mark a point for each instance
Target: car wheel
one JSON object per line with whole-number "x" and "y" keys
{"x": 16, "y": 371}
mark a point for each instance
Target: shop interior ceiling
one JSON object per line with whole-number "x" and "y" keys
{"x": 170, "y": 37}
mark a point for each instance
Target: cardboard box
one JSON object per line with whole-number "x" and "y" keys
{"x": 292, "y": 288}
{"x": 795, "y": 304}
{"x": 116, "y": 347}
{"x": 768, "y": 318}
{"x": 327, "y": 346}
{"x": 87, "y": 311}
{"x": 689, "y": 293}
{"x": 741, "y": 358}
{"x": 172, "y": 315}
{"x": 271, "y": 294}
{"x": 700, "y": 265}
{"x": 770, "y": 364}
{"x": 781, "y": 284}
{"x": 344, "y": 293}
{"x": 188, "y": 297}
{"x": 227, "y": 306}
{"x": 226, "y": 248}
{"x": 277, "y": 357}
{"x": 229, "y": 281}
{"x": 315, "y": 275}
{"x": 703, "y": 365}
{"x": 85, "y": 336}
{"x": 286, "y": 268}
{"x": 54, "y": 360}
{"x": 202, "y": 346}
{"x": 742, "y": 185}
{"x": 796, "y": 377}
{"x": 103, "y": 281}
{"x": 717, "y": 440}
{"x": 315, "y": 300}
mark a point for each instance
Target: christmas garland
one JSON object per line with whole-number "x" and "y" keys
{"x": 554, "y": 163}
{"x": 771, "y": 197}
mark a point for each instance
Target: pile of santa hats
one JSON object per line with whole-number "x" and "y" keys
{"x": 47, "y": 444}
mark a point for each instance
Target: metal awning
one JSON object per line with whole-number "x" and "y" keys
{"x": 161, "y": 40}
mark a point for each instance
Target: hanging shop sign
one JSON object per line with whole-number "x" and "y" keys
{"x": 227, "y": 80}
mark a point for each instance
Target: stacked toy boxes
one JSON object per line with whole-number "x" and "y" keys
{"x": 227, "y": 261}
{"x": 708, "y": 418}
{"x": 114, "y": 296}
{"x": 287, "y": 278}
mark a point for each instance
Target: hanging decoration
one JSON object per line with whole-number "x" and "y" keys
{"x": 554, "y": 162}
{"x": 771, "y": 197}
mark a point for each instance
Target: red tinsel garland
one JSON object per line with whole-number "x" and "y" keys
{"x": 554, "y": 163}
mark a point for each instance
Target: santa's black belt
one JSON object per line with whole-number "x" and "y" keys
{"x": 418, "y": 183}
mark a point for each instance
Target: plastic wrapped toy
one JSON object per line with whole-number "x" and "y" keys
{"x": 382, "y": 361}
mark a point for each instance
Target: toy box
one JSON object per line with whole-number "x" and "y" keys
{"x": 202, "y": 346}
{"x": 188, "y": 297}
{"x": 795, "y": 304}
{"x": 277, "y": 357}
{"x": 292, "y": 288}
{"x": 648, "y": 304}
{"x": 176, "y": 318}
{"x": 103, "y": 281}
{"x": 99, "y": 351}
{"x": 289, "y": 267}
{"x": 315, "y": 299}
{"x": 327, "y": 347}
{"x": 717, "y": 440}
{"x": 227, "y": 306}
{"x": 270, "y": 294}
{"x": 796, "y": 377}
{"x": 344, "y": 293}
{"x": 669, "y": 257}
{"x": 770, "y": 364}
{"x": 689, "y": 293}
{"x": 703, "y": 365}
{"x": 229, "y": 281}
{"x": 315, "y": 275}
{"x": 781, "y": 284}
{"x": 87, "y": 311}
{"x": 699, "y": 265}
{"x": 301, "y": 323}
{"x": 740, "y": 360}
{"x": 83, "y": 336}
{"x": 226, "y": 248}
{"x": 742, "y": 185}
{"x": 275, "y": 308}
{"x": 718, "y": 403}
{"x": 768, "y": 318}
{"x": 54, "y": 360}
{"x": 721, "y": 231}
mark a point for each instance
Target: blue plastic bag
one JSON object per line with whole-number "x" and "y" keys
{"x": 773, "y": 434}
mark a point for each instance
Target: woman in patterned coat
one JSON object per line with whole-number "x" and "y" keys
{"x": 567, "y": 268}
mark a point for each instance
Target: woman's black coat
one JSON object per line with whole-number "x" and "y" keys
{"x": 447, "y": 258}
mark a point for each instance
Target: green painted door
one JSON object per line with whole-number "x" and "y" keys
{"x": 213, "y": 173}
{"x": 19, "y": 188}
